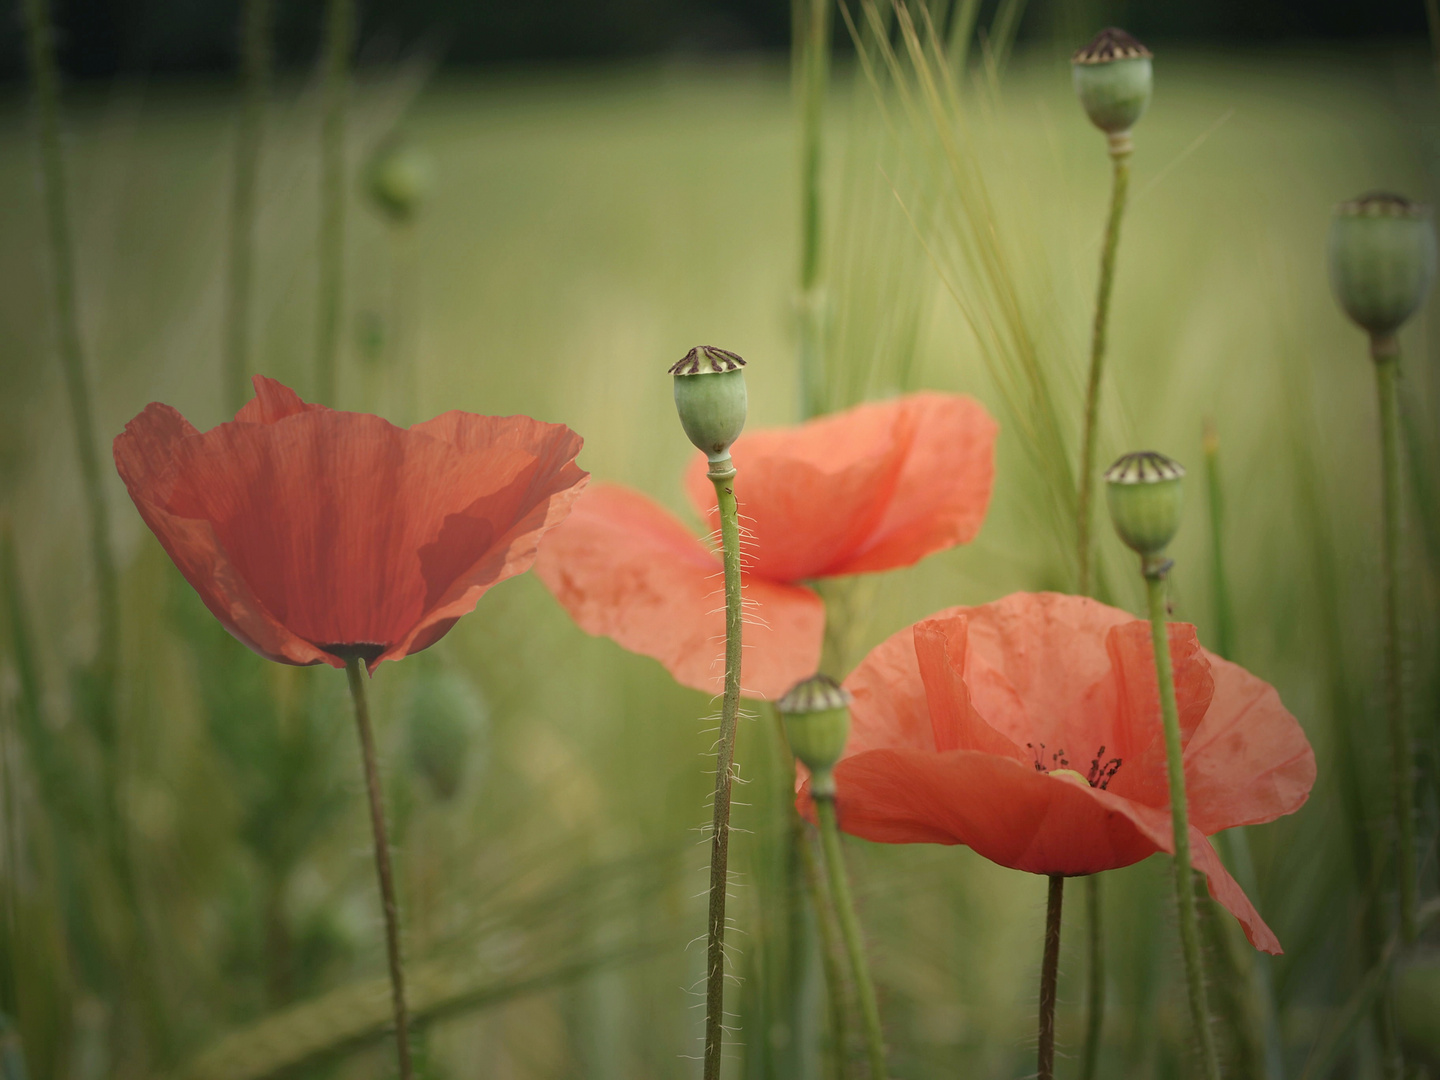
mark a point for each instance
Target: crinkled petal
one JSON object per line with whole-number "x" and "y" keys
{"x": 876, "y": 487}
{"x": 273, "y": 402}
{"x": 625, "y": 568}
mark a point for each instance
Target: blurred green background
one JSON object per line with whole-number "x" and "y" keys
{"x": 587, "y": 226}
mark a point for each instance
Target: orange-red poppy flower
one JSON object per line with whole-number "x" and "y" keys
{"x": 1029, "y": 729}
{"x": 314, "y": 535}
{"x": 876, "y": 487}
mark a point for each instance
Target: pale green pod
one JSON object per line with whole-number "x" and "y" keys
{"x": 398, "y": 178}
{"x": 1145, "y": 496}
{"x": 816, "y": 712}
{"x": 1382, "y": 259}
{"x": 445, "y": 715}
{"x": 710, "y": 398}
{"x": 1113, "y": 78}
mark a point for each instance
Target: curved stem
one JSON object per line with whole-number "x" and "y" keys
{"x": 382, "y": 863}
{"x": 339, "y": 34}
{"x": 1120, "y": 154}
{"x": 1050, "y": 977}
{"x": 1155, "y": 569}
{"x": 1402, "y": 775}
{"x": 850, "y": 931}
{"x": 1095, "y": 989}
{"x": 722, "y": 475}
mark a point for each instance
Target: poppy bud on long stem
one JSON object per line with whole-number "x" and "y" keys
{"x": 710, "y": 398}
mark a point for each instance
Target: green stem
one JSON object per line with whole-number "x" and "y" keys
{"x": 1386, "y": 352}
{"x": 40, "y": 40}
{"x": 355, "y": 675}
{"x": 1224, "y": 617}
{"x": 1050, "y": 977}
{"x": 1155, "y": 568}
{"x": 812, "y": 73}
{"x": 850, "y": 932}
{"x": 1095, "y": 990}
{"x": 1120, "y": 155}
{"x": 722, "y": 475}
{"x": 339, "y": 36}
{"x": 255, "y": 64}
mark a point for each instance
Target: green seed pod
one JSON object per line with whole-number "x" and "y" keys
{"x": 1112, "y": 79}
{"x": 1145, "y": 496}
{"x": 398, "y": 178}
{"x": 1382, "y": 259}
{"x": 817, "y": 723}
{"x": 710, "y": 397}
{"x": 444, "y": 715}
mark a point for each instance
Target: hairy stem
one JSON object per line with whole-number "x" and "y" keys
{"x": 255, "y": 62}
{"x": 850, "y": 932}
{"x": 1155, "y": 570}
{"x": 1095, "y": 986}
{"x": 1049, "y": 976}
{"x": 1120, "y": 155}
{"x": 355, "y": 674}
{"x": 339, "y": 35}
{"x": 722, "y": 475}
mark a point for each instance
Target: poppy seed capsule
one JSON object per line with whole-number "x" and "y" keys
{"x": 1382, "y": 259}
{"x": 1112, "y": 78}
{"x": 710, "y": 398}
{"x": 1144, "y": 493}
{"x": 816, "y": 712}
{"x": 398, "y": 179}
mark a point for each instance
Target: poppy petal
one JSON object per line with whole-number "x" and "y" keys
{"x": 625, "y": 568}
{"x": 1249, "y": 760}
{"x": 940, "y": 651}
{"x": 873, "y": 488}
{"x": 273, "y": 402}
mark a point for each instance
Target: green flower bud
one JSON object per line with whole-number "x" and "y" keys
{"x": 1112, "y": 79}
{"x": 710, "y": 397}
{"x": 1144, "y": 493}
{"x": 444, "y": 713}
{"x": 816, "y": 712}
{"x": 1382, "y": 259}
{"x": 398, "y": 178}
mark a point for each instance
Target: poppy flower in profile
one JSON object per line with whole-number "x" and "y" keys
{"x": 315, "y": 535}
{"x": 1029, "y": 730}
{"x": 873, "y": 488}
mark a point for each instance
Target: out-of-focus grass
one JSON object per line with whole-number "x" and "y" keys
{"x": 586, "y": 228}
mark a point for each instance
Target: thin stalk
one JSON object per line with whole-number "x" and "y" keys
{"x": 812, "y": 78}
{"x": 1050, "y": 977}
{"x": 1219, "y": 579}
{"x": 722, "y": 475}
{"x": 382, "y": 863}
{"x": 1120, "y": 182}
{"x": 1386, "y": 351}
{"x": 40, "y": 42}
{"x": 339, "y": 35}
{"x": 1095, "y": 986}
{"x": 1155, "y": 569}
{"x": 850, "y": 932}
{"x": 255, "y": 62}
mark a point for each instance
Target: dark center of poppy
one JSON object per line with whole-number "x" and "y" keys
{"x": 356, "y": 650}
{"x": 1102, "y": 770}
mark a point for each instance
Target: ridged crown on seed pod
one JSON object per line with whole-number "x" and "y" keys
{"x": 816, "y": 712}
{"x": 1112, "y": 76}
{"x": 1144, "y": 494}
{"x": 710, "y": 398}
{"x": 1382, "y": 259}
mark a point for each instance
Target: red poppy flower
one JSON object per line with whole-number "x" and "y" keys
{"x": 1029, "y": 729}
{"x": 876, "y": 487}
{"x": 312, "y": 534}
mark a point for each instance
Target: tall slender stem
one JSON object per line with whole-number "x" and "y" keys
{"x": 356, "y": 677}
{"x": 255, "y": 66}
{"x": 339, "y": 35}
{"x": 1050, "y": 977}
{"x": 1155, "y": 568}
{"x": 1120, "y": 154}
{"x": 722, "y": 475}
{"x": 1095, "y": 987}
{"x": 812, "y": 76}
{"x": 1386, "y": 351}
{"x": 850, "y": 932}
{"x": 40, "y": 42}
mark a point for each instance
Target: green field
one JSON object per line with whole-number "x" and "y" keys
{"x": 587, "y": 227}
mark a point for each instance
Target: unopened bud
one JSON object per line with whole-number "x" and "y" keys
{"x": 1382, "y": 259}
{"x": 398, "y": 178}
{"x": 710, "y": 398}
{"x": 1144, "y": 494}
{"x": 1112, "y": 79}
{"x": 817, "y": 723}
{"x": 445, "y": 714}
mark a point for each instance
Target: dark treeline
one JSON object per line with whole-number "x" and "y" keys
{"x": 104, "y": 38}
